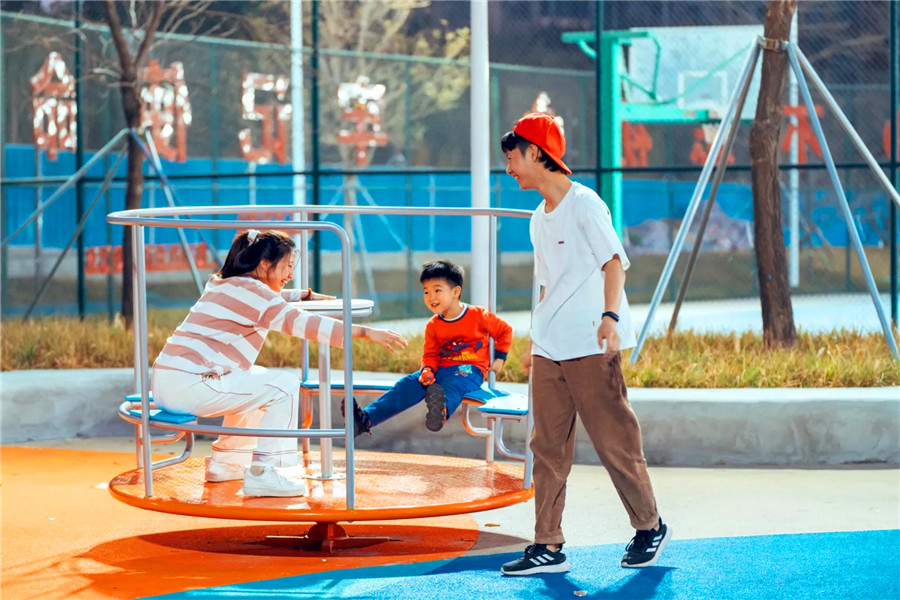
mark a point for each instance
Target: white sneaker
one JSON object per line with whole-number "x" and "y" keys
{"x": 218, "y": 471}
{"x": 272, "y": 483}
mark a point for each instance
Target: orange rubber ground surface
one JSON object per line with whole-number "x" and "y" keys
{"x": 64, "y": 536}
{"x": 388, "y": 486}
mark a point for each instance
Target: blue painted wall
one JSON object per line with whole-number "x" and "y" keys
{"x": 644, "y": 200}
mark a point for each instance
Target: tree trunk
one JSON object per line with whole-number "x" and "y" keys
{"x": 771, "y": 260}
{"x": 134, "y": 189}
{"x": 131, "y": 106}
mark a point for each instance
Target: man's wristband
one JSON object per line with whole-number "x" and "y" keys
{"x": 611, "y": 315}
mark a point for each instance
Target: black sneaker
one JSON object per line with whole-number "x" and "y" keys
{"x": 646, "y": 545}
{"x": 361, "y": 423}
{"x": 537, "y": 559}
{"x": 437, "y": 412}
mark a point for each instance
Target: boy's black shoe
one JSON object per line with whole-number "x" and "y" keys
{"x": 645, "y": 547}
{"x": 537, "y": 559}
{"x": 437, "y": 412}
{"x": 361, "y": 423}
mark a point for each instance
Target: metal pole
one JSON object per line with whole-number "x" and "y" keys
{"x": 717, "y": 180}
{"x": 479, "y": 147}
{"x": 348, "y": 367}
{"x": 842, "y": 199}
{"x": 895, "y": 172}
{"x": 694, "y": 204}
{"x": 79, "y": 228}
{"x": 492, "y": 284}
{"x": 794, "y": 175}
{"x": 214, "y": 116}
{"x": 79, "y": 159}
{"x": 4, "y": 261}
{"x": 39, "y": 222}
{"x": 316, "y": 158}
{"x": 298, "y": 141}
{"x": 65, "y": 186}
{"x": 845, "y": 123}
{"x": 529, "y": 417}
{"x": 140, "y": 357}
{"x": 110, "y": 274}
{"x": 407, "y": 153}
{"x": 167, "y": 191}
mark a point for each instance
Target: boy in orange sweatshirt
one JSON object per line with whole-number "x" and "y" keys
{"x": 456, "y": 357}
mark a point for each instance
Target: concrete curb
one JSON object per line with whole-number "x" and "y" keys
{"x": 685, "y": 427}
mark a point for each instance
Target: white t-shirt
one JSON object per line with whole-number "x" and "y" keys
{"x": 571, "y": 245}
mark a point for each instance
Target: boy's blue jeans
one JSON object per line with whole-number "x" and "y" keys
{"x": 456, "y": 381}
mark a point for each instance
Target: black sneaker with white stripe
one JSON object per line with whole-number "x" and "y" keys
{"x": 537, "y": 559}
{"x": 646, "y": 546}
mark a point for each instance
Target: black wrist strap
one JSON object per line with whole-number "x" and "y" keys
{"x": 611, "y": 315}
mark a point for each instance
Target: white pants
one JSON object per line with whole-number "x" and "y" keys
{"x": 254, "y": 399}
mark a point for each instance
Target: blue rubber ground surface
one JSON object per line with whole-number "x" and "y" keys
{"x": 839, "y": 566}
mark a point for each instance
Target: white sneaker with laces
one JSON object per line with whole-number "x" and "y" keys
{"x": 272, "y": 483}
{"x": 218, "y": 471}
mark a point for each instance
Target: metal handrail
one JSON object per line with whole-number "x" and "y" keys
{"x": 168, "y": 217}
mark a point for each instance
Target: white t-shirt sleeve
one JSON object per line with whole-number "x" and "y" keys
{"x": 596, "y": 224}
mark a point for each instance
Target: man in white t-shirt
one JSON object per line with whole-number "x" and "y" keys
{"x": 578, "y": 328}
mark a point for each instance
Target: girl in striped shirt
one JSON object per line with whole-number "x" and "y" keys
{"x": 207, "y": 366}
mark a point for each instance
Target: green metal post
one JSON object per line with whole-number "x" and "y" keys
{"x": 600, "y": 91}
{"x": 608, "y": 60}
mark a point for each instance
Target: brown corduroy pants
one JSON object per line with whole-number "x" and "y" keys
{"x": 593, "y": 388}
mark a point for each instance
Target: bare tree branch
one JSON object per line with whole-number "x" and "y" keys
{"x": 149, "y": 33}
{"x": 118, "y": 38}
{"x": 179, "y": 17}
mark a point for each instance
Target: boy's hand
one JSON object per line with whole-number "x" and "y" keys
{"x": 497, "y": 365}
{"x": 387, "y": 338}
{"x": 427, "y": 376}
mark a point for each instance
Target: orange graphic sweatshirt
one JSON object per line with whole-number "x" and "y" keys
{"x": 464, "y": 340}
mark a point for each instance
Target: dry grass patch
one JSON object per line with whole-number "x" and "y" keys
{"x": 686, "y": 360}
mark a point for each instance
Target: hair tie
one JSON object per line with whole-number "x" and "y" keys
{"x": 252, "y": 234}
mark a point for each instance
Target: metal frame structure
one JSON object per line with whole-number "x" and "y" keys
{"x": 179, "y": 217}
{"x": 148, "y": 149}
{"x": 718, "y": 157}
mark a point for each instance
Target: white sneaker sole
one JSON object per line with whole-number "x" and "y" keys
{"x": 560, "y": 568}
{"x": 655, "y": 558}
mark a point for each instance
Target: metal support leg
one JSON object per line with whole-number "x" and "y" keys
{"x": 842, "y": 201}
{"x": 721, "y": 165}
{"x": 694, "y": 204}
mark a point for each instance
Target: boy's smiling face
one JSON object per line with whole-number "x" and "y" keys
{"x": 440, "y": 296}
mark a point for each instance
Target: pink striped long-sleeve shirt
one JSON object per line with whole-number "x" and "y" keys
{"x": 225, "y": 330}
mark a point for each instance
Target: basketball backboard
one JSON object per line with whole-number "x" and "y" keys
{"x": 697, "y": 67}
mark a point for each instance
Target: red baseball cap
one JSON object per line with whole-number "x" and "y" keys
{"x": 542, "y": 130}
